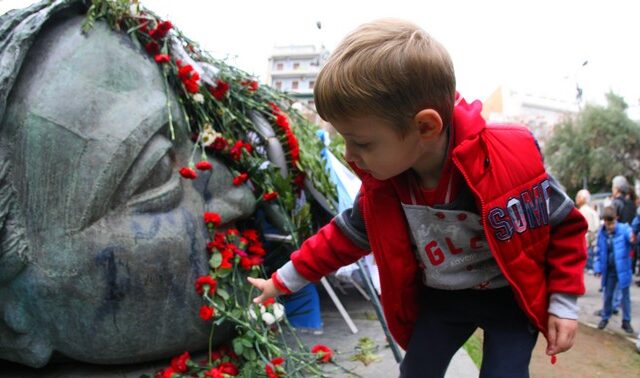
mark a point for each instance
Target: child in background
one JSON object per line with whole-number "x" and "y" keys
{"x": 614, "y": 265}
{"x": 466, "y": 226}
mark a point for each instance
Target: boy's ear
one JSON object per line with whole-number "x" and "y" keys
{"x": 429, "y": 123}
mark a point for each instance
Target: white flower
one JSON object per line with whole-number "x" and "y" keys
{"x": 252, "y": 314}
{"x": 209, "y": 135}
{"x": 199, "y": 98}
{"x": 268, "y": 318}
{"x": 278, "y": 311}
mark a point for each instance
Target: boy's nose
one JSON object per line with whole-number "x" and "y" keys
{"x": 348, "y": 154}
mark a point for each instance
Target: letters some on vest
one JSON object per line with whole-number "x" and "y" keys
{"x": 529, "y": 210}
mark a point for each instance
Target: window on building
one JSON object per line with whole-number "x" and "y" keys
{"x": 278, "y": 85}
{"x": 296, "y": 66}
{"x": 294, "y": 84}
{"x": 279, "y": 66}
{"x": 311, "y": 84}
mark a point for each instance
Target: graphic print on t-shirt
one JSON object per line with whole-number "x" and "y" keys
{"x": 452, "y": 249}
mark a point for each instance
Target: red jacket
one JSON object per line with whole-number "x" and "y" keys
{"x": 503, "y": 168}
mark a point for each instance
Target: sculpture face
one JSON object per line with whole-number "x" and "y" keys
{"x": 116, "y": 238}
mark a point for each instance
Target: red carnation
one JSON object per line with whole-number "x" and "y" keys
{"x": 232, "y": 233}
{"x": 214, "y": 373}
{"x": 227, "y": 256}
{"x": 251, "y": 85}
{"x": 282, "y": 121}
{"x": 240, "y": 179}
{"x": 236, "y": 150}
{"x": 206, "y": 280}
{"x": 323, "y": 353}
{"x": 274, "y": 107}
{"x": 204, "y": 165}
{"x": 269, "y": 196}
{"x": 152, "y": 48}
{"x": 219, "y": 144}
{"x": 212, "y": 218}
{"x": 248, "y": 262}
{"x": 276, "y": 362}
{"x": 165, "y": 373}
{"x": 179, "y": 363}
{"x": 229, "y": 368}
{"x": 188, "y": 173}
{"x": 251, "y": 234}
{"x": 162, "y": 58}
{"x": 220, "y": 90}
{"x": 191, "y": 86}
{"x": 165, "y": 25}
{"x": 218, "y": 242}
{"x": 184, "y": 72}
{"x": 206, "y": 312}
{"x": 257, "y": 249}
{"x": 299, "y": 179}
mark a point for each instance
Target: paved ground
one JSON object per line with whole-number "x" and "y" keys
{"x": 337, "y": 334}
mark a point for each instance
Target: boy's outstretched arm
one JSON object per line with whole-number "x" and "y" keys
{"x": 562, "y": 333}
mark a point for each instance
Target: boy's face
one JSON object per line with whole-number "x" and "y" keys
{"x": 610, "y": 225}
{"x": 376, "y": 147}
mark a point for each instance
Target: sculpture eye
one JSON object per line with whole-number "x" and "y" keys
{"x": 158, "y": 175}
{"x": 152, "y": 184}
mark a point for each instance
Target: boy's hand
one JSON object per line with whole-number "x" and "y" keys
{"x": 561, "y": 334}
{"x": 267, "y": 288}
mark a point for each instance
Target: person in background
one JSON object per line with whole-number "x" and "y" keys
{"x": 635, "y": 226}
{"x": 583, "y": 198}
{"x": 623, "y": 199}
{"x": 614, "y": 266}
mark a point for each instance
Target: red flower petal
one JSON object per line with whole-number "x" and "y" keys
{"x": 188, "y": 173}
{"x": 206, "y": 280}
{"x": 162, "y": 58}
{"x": 212, "y": 218}
{"x": 269, "y": 196}
{"x": 322, "y": 352}
{"x": 152, "y": 48}
{"x": 204, "y": 165}
{"x": 206, "y": 312}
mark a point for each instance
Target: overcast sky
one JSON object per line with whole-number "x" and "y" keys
{"x": 537, "y": 46}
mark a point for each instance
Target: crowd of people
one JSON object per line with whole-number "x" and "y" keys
{"x": 613, "y": 241}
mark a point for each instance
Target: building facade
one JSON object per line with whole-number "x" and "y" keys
{"x": 538, "y": 112}
{"x": 293, "y": 70}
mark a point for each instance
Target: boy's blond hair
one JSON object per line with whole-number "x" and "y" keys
{"x": 387, "y": 68}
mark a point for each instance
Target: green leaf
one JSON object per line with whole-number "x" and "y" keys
{"x": 223, "y": 294}
{"x": 215, "y": 260}
{"x": 238, "y": 346}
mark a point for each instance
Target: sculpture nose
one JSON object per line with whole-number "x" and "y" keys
{"x": 221, "y": 196}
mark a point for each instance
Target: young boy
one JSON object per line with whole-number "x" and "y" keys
{"x": 467, "y": 228}
{"x": 614, "y": 265}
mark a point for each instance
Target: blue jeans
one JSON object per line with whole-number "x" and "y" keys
{"x": 449, "y": 318}
{"x": 609, "y": 294}
{"x": 590, "y": 258}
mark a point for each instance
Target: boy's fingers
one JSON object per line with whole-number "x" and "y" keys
{"x": 552, "y": 334}
{"x": 257, "y": 282}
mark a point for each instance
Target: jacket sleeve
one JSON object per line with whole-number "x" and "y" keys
{"x": 566, "y": 255}
{"x": 341, "y": 242}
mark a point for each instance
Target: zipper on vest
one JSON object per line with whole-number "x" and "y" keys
{"x": 491, "y": 241}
